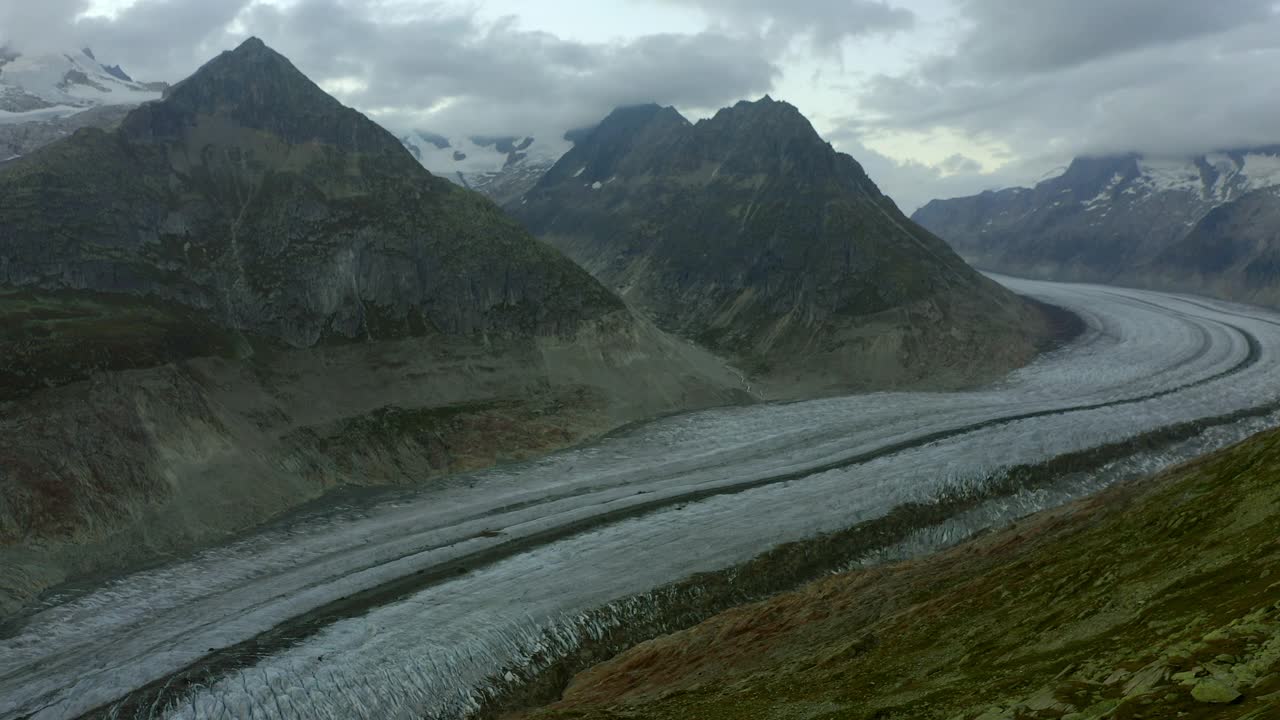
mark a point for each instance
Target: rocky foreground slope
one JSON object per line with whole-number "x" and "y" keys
{"x": 1155, "y": 600}
{"x": 1209, "y": 224}
{"x": 248, "y": 294}
{"x": 749, "y": 234}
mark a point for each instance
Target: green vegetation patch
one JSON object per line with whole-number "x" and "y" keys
{"x": 1154, "y": 601}
{"x": 413, "y": 443}
{"x": 48, "y": 339}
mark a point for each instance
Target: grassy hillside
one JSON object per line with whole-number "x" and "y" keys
{"x": 1156, "y": 600}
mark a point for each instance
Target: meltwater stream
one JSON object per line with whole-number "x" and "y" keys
{"x": 506, "y": 552}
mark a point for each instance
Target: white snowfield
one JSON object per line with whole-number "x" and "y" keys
{"x": 465, "y": 160}
{"x": 1263, "y": 171}
{"x": 68, "y": 83}
{"x": 719, "y": 487}
{"x": 1234, "y": 176}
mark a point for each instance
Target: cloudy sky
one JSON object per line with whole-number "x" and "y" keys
{"x": 935, "y": 97}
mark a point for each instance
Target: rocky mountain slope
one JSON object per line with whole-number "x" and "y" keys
{"x": 248, "y": 294}
{"x": 1208, "y": 224}
{"x": 749, "y": 234}
{"x": 501, "y": 168}
{"x": 1152, "y": 600}
{"x": 21, "y": 138}
{"x": 252, "y": 195}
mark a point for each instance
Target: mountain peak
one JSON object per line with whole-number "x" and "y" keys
{"x": 252, "y": 49}
{"x": 633, "y": 117}
{"x": 763, "y": 123}
{"x": 251, "y": 45}
{"x": 765, "y": 105}
{"x": 256, "y": 87}
{"x": 626, "y": 122}
{"x": 1087, "y": 176}
{"x": 117, "y": 72}
{"x": 727, "y": 230}
{"x": 762, "y": 137}
{"x": 622, "y": 142}
{"x": 253, "y": 62}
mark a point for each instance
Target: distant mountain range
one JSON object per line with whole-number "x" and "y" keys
{"x": 47, "y": 85}
{"x": 49, "y": 96}
{"x": 1207, "y": 224}
{"x": 749, "y": 234}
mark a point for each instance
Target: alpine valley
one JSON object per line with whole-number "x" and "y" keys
{"x": 305, "y": 417}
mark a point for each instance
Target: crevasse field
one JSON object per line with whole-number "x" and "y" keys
{"x": 512, "y": 558}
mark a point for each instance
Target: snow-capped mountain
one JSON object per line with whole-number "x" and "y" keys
{"x": 503, "y": 168}
{"x": 1203, "y": 183}
{"x": 1133, "y": 219}
{"x": 46, "y": 97}
{"x": 43, "y": 86}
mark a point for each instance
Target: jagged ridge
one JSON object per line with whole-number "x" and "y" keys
{"x": 751, "y": 234}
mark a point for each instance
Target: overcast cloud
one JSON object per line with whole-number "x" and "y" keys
{"x": 825, "y": 22}
{"x": 1050, "y": 80}
{"x": 447, "y": 70}
{"x": 935, "y": 97}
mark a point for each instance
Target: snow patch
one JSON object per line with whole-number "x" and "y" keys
{"x": 1104, "y": 196}
{"x": 580, "y": 171}
{"x": 1228, "y": 169}
{"x": 56, "y": 112}
{"x": 467, "y": 163}
{"x": 597, "y": 185}
{"x": 1261, "y": 171}
{"x": 1170, "y": 175}
{"x": 70, "y": 81}
{"x": 1221, "y": 162}
{"x": 1050, "y": 175}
